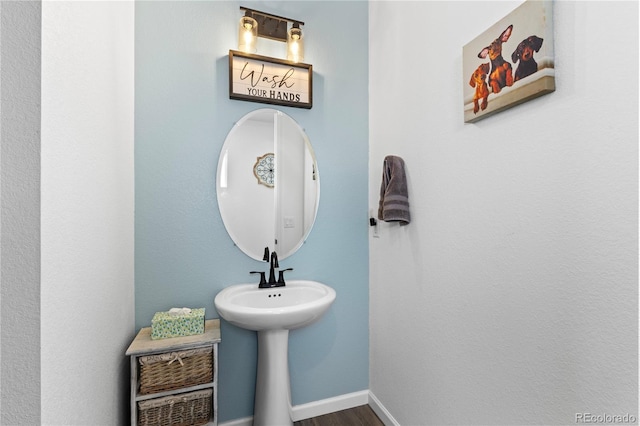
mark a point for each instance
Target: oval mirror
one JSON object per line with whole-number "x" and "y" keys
{"x": 267, "y": 184}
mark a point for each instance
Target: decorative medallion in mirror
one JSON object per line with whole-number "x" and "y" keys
{"x": 264, "y": 170}
{"x": 279, "y": 210}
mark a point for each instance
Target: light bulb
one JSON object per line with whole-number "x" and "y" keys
{"x": 247, "y": 34}
{"x": 295, "y": 46}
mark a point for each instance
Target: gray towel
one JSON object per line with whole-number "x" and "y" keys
{"x": 394, "y": 196}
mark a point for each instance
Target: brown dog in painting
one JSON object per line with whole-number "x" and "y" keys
{"x": 479, "y": 81}
{"x": 524, "y": 54}
{"x": 501, "y": 73}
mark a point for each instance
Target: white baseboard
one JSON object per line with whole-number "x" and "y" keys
{"x": 330, "y": 405}
{"x": 316, "y": 408}
{"x": 245, "y": 421}
{"x": 381, "y": 411}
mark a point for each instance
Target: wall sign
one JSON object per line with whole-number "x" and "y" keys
{"x": 268, "y": 80}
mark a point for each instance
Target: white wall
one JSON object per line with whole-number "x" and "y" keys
{"x": 250, "y": 141}
{"x": 87, "y": 293}
{"x": 512, "y": 296}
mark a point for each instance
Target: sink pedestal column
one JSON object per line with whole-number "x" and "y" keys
{"x": 273, "y": 389}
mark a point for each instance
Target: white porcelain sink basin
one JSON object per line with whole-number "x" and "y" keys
{"x": 295, "y": 305}
{"x": 272, "y": 312}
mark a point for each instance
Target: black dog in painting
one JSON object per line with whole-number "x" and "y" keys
{"x": 524, "y": 54}
{"x": 500, "y": 75}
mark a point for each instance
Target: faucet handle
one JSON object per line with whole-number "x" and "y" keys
{"x": 281, "y": 275}
{"x": 263, "y": 281}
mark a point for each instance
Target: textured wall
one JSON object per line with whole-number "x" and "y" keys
{"x": 20, "y": 36}
{"x": 87, "y": 211}
{"x": 512, "y": 297}
{"x": 184, "y": 255}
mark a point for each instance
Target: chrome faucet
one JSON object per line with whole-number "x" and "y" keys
{"x": 272, "y": 273}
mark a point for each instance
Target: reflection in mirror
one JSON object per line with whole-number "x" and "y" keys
{"x": 267, "y": 184}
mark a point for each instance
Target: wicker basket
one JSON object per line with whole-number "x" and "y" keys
{"x": 175, "y": 370}
{"x": 193, "y": 408}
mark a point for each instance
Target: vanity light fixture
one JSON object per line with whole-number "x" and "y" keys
{"x": 295, "y": 45}
{"x": 255, "y": 24}
{"x": 247, "y": 34}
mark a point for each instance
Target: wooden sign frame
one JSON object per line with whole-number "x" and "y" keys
{"x": 257, "y": 78}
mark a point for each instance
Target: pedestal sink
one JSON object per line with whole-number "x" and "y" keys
{"x": 272, "y": 312}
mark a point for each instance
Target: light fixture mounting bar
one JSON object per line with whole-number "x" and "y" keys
{"x": 270, "y": 26}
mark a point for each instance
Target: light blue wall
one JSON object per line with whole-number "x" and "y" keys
{"x": 184, "y": 256}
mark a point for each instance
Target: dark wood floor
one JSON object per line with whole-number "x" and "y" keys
{"x": 358, "y": 416}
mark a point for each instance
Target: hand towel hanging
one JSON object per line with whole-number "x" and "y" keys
{"x": 394, "y": 195}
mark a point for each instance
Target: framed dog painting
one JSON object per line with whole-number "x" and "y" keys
{"x": 510, "y": 63}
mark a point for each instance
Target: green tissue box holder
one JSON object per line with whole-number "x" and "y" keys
{"x": 165, "y": 325}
